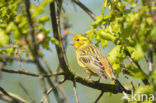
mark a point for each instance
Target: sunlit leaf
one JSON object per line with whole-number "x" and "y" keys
{"x": 4, "y": 38}
{"x": 134, "y": 72}
{"x": 138, "y": 53}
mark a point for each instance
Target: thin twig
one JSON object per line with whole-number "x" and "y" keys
{"x": 16, "y": 53}
{"x": 99, "y": 97}
{"x": 29, "y": 73}
{"x": 8, "y": 98}
{"x": 133, "y": 86}
{"x": 16, "y": 58}
{"x": 62, "y": 81}
{"x": 34, "y": 52}
{"x": 60, "y": 50}
{"x": 62, "y": 92}
{"x": 75, "y": 93}
{"x": 26, "y": 92}
{"x": 136, "y": 64}
{"x": 89, "y": 12}
{"x": 46, "y": 64}
{"x": 48, "y": 92}
{"x": 150, "y": 60}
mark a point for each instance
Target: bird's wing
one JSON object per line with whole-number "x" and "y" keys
{"x": 93, "y": 63}
{"x": 95, "y": 60}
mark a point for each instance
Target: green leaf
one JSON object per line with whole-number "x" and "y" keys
{"x": 116, "y": 69}
{"x": 134, "y": 72}
{"x": 116, "y": 54}
{"x": 43, "y": 20}
{"x": 105, "y": 35}
{"x": 115, "y": 57}
{"x": 103, "y": 43}
{"x": 127, "y": 31}
{"x": 138, "y": 53}
{"x": 4, "y": 38}
{"x": 55, "y": 41}
{"x": 152, "y": 35}
{"x": 152, "y": 77}
{"x": 37, "y": 10}
{"x": 98, "y": 21}
{"x": 104, "y": 6}
{"x": 144, "y": 90}
{"x": 90, "y": 34}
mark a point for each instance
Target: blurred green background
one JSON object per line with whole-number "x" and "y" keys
{"x": 80, "y": 22}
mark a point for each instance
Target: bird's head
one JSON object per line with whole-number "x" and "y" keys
{"x": 80, "y": 41}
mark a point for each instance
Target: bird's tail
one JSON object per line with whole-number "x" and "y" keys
{"x": 119, "y": 85}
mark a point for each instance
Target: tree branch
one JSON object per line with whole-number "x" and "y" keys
{"x": 26, "y": 92}
{"x": 150, "y": 60}
{"x": 8, "y": 98}
{"x": 59, "y": 49}
{"x": 75, "y": 93}
{"x": 34, "y": 52}
{"x": 101, "y": 94}
{"x": 94, "y": 84}
{"x": 29, "y": 73}
{"x": 16, "y": 58}
{"x": 135, "y": 63}
{"x": 89, "y": 12}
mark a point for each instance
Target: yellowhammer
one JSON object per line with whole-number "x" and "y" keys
{"x": 92, "y": 60}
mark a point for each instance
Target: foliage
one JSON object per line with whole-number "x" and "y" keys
{"x": 130, "y": 25}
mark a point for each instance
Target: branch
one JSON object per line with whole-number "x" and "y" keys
{"x": 34, "y": 52}
{"x": 8, "y": 98}
{"x": 94, "y": 84}
{"x": 16, "y": 58}
{"x": 75, "y": 93}
{"x": 29, "y": 73}
{"x": 26, "y": 92}
{"x": 59, "y": 49}
{"x": 62, "y": 92}
{"x": 150, "y": 60}
{"x": 48, "y": 92}
{"x": 135, "y": 63}
{"x": 89, "y": 12}
{"x": 101, "y": 94}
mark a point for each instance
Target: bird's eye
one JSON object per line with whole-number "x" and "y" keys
{"x": 77, "y": 40}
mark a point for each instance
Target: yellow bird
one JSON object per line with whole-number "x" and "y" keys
{"x": 92, "y": 60}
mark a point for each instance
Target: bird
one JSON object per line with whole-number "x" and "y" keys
{"x": 92, "y": 60}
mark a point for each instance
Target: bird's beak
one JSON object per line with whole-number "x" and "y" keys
{"x": 72, "y": 43}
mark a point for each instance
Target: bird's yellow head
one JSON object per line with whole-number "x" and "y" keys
{"x": 80, "y": 41}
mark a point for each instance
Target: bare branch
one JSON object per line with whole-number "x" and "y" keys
{"x": 62, "y": 92}
{"x": 29, "y": 73}
{"x": 26, "y": 92}
{"x": 34, "y": 52}
{"x": 15, "y": 58}
{"x": 48, "y": 92}
{"x": 8, "y": 98}
{"x": 94, "y": 84}
{"x": 89, "y": 12}
{"x": 46, "y": 64}
{"x": 136, "y": 64}
{"x": 75, "y": 93}
{"x": 150, "y": 60}
{"x": 59, "y": 49}
{"x": 99, "y": 97}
